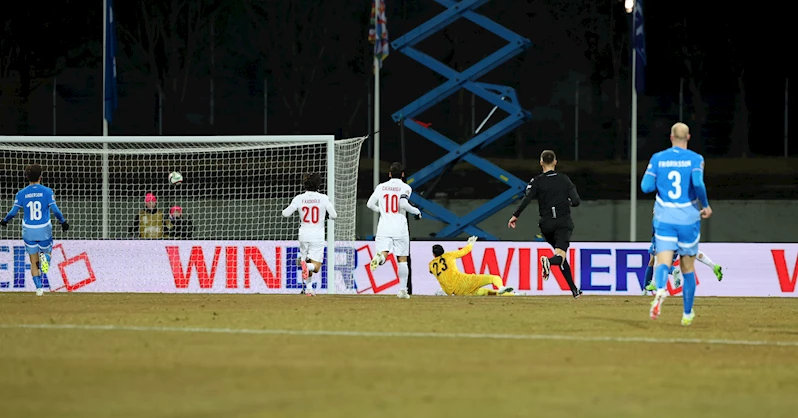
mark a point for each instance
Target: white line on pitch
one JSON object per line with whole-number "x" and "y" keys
{"x": 376, "y": 334}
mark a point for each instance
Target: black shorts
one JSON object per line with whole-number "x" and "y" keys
{"x": 558, "y": 232}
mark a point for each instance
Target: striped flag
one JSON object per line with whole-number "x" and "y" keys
{"x": 111, "y": 100}
{"x": 640, "y": 47}
{"x": 378, "y": 34}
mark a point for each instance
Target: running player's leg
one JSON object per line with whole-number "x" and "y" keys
{"x": 716, "y": 268}
{"x": 545, "y": 262}
{"x": 689, "y": 236}
{"x": 45, "y": 249}
{"x": 649, "y": 286}
{"x": 315, "y": 255}
{"x": 32, "y": 248}
{"x": 401, "y": 248}
{"x": 383, "y": 246}
{"x": 666, "y": 238}
{"x": 562, "y": 240}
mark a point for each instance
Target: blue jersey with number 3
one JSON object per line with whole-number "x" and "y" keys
{"x": 677, "y": 202}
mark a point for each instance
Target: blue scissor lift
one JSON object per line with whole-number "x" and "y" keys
{"x": 503, "y": 97}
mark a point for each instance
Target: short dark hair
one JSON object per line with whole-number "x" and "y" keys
{"x": 548, "y": 156}
{"x": 396, "y": 170}
{"x": 33, "y": 173}
{"x": 312, "y": 182}
{"x": 437, "y": 250}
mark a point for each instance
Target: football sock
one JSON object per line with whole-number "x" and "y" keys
{"x": 661, "y": 275}
{"x": 497, "y": 281}
{"x": 672, "y": 269}
{"x": 688, "y": 291}
{"x": 403, "y": 273}
{"x": 649, "y": 275}
{"x": 37, "y": 280}
{"x": 705, "y": 260}
{"x": 566, "y": 271}
{"x": 556, "y": 260}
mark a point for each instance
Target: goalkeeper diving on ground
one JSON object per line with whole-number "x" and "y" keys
{"x": 455, "y": 283}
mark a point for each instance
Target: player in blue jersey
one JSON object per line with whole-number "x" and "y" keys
{"x": 37, "y": 231}
{"x": 677, "y": 175}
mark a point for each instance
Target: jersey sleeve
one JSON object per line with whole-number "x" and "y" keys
{"x": 291, "y": 208}
{"x": 373, "y": 201}
{"x": 462, "y": 252}
{"x": 18, "y": 200}
{"x": 330, "y": 208}
{"x": 573, "y": 196}
{"x": 649, "y": 182}
{"x": 530, "y": 193}
{"x": 697, "y": 180}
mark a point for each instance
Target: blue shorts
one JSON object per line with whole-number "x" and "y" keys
{"x": 652, "y": 250}
{"x": 36, "y": 247}
{"x": 682, "y": 239}
{"x": 38, "y": 240}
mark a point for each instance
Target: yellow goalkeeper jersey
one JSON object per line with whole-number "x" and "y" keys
{"x": 444, "y": 268}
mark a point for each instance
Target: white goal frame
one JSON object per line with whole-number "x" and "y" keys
{"x": 329, "y": 140}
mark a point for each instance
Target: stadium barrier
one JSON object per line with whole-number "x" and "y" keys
{"x": 268, "y": 267}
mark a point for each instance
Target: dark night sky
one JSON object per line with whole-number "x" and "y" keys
{"x": 337, "y": 101}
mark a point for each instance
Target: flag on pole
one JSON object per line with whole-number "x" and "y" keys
{"x": 111, "y": 101}
{"x": 378, "y": 34}
{"x": 640, "y": 47}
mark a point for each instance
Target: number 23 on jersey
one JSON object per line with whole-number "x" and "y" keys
{"x": 440, "y": 266}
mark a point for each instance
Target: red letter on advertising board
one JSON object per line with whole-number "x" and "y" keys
{"x": 523, "y": 268}
{"x": 231, "y": 259}
{"x": 489, "y": 263}
{"x": 196, "y": 261}
{"x": 254, "y": 255}
{"x": 787, "y": 284}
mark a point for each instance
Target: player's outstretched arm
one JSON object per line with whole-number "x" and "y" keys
{"x": 291, "y": 208}
{"x": 331, "y": 213}
{"x": 11, "y": 214}
{"x": 530, "y": 193}
{"x": 57, "y": 212}
{"x": 649, "y": 182}
{"x": 465, "y": 250}
{"x": 404, "y": 203}
{"x": 697, "y": 179}
{"x": 373, "y": 201}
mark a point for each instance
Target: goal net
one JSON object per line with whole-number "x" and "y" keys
{"x": 234, "y": 188}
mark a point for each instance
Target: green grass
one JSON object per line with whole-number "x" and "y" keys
{"x": 151, "y": 373}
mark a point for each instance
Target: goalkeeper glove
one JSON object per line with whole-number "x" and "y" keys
{"x": 64, "y": 226}
{"x": 472, "y": 239}
{"x": 3, "y": 223}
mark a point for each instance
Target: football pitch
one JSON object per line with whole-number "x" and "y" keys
{"x": 152, "y": 355}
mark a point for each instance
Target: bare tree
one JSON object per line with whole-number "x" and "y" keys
{"x": 293, "y": 42}
{"x": 33, "y": 52}
{"x": 740, "y": 125}
{"x": 165, "y": 40}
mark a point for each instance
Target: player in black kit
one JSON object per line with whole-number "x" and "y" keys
{"x": 556, "y": 194}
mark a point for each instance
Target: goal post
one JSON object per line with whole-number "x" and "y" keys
{"x": 234, "y": 187}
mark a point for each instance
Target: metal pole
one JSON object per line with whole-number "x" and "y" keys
{"x": 265, "y": 106}
{"x": 576, "y": 123}
{"x": 331, "y": 279}
{"x": 55, "y": 83}
{"x": 106, "y": 195}
{"x": 633, "y": 153}
{"x": 369, "y": 121}
{"x": 376, "y": 179}
{"x": 212, "y": 65}
{"x": 681, "y": 99}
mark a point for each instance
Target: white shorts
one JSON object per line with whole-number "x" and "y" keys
{"x": 312, "y": 250}
{"x": 397, "y": 246}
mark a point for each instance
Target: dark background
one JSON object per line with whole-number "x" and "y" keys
{"x": 207, "y": 62}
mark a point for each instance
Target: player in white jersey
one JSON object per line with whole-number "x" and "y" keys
{"x": 391, "y": 200}
{"x": 313, "y": 208}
